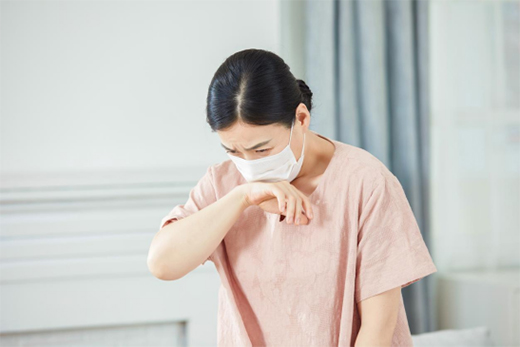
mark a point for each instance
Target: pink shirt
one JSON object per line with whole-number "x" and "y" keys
{"x": 298, "y": 285}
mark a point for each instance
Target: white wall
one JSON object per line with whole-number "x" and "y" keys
{"x": 110, "y": 85}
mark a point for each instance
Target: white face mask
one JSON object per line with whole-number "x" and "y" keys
{"x": 274, "y": 168}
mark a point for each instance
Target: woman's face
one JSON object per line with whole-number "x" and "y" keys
{"x": 251, "y": 142}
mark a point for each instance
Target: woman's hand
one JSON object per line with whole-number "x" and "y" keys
{"x": 280, "y": 198}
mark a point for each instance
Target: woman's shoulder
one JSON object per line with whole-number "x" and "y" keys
{"x": 359, "y": 163}
{"x": 359, "y": 172}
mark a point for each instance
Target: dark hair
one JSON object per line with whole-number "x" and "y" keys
{"x": 257, "y": 87}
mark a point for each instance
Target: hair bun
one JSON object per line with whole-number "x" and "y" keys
{"x": 304, "y": 87}
{"x": 306, "y": 93}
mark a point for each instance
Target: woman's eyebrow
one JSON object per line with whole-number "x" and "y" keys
{"x": 248, "y": 149}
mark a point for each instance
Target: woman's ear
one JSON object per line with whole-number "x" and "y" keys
{"x": 303, "y": 116}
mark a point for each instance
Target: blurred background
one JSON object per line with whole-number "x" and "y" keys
{"x": 103, "y": 132}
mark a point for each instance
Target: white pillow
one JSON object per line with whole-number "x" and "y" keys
{"x": 472, "y": 337}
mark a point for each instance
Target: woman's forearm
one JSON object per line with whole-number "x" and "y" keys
{"x": 184, "y": 244}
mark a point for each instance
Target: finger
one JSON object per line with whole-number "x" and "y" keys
{"x": 306, "y": 203}
{"x": 292, "y": 204}
{"x": 298, "y": 211}
{"x": 298, "y": 207}
{"x": 280, "y": 195}
{"x": 290, "y": 198}
{"x": 286, "y": 193}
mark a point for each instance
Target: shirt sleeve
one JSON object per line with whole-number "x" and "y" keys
{"x": 200, "y": 196}
{"x": 391, "y": 249}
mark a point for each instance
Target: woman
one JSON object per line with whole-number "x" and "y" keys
{"x": 349, "y": 241}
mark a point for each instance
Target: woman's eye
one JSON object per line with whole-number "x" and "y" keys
{"x": 258, "y": 151}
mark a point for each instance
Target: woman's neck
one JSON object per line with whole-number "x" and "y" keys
{"x": 318, "y": 153}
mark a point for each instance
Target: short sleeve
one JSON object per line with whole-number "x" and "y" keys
{"x": 200, "y": 196}
{"x": 391, "y": 250}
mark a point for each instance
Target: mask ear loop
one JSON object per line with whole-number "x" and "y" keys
{"x": 292, "y": 127}
{"x": 284, "y": 205}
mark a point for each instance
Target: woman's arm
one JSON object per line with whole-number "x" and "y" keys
{"x": 378, "y": 319}
{"x": 184, "y": 244}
